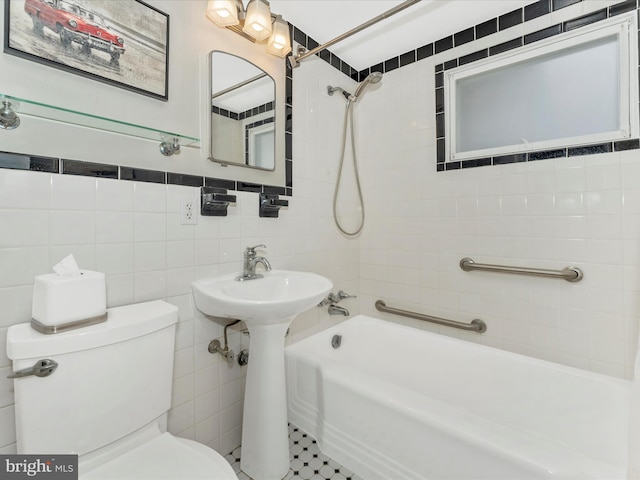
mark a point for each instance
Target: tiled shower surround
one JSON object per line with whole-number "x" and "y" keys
{"x": 582, "y": 211}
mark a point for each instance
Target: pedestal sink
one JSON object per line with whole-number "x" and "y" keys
{"x": 267, "y": 305}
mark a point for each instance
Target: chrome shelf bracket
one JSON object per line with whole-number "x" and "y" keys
{"x": 8, "y": 118}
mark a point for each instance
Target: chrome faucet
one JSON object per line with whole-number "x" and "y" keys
{"x": 250, "y": 262}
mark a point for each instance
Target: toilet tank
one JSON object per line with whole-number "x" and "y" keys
{"x": 112, "y": 379}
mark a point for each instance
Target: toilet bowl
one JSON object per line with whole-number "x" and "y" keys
{"x": 107, "y": 399}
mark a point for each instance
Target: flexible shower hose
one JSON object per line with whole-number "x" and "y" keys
{"x": 348, "y": 121}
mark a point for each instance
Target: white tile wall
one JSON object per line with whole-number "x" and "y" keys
{"x": 579, "y": 211}
{"x": 131, "y": 231}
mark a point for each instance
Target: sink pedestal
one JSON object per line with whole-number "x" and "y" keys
{"x": 265, "y": 434}
{"x": 267, "y": 305}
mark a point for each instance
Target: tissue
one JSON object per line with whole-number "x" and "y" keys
{"x": 69, "y": 295}
{"x": 67, "y": 266}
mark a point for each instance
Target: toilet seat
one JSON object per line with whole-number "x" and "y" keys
{"x": 165, "y": 457}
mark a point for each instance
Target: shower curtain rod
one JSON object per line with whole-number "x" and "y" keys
{"x": 295, "y": 61}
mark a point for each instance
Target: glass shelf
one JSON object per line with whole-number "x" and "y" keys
{"x": 65, "y": 115}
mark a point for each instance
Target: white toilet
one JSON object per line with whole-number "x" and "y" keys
{"x": 108, "y": 398}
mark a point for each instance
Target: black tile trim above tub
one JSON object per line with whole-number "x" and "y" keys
{"x": 18, "y": 161}
{"x": 590, "y": 149}
{"x": 540, "y": 155}
{"x": 506, "y": 159}
{"x": 546, "y": 154}
{"x": 142, "y": 175}
{"x": 89, "y": 169}
{"x": 626, "y": 145}
{"x": 183, "y": 179}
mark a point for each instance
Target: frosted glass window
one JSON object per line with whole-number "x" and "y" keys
{"x": 571, "y": 91}
{"x": 567, "y": 94}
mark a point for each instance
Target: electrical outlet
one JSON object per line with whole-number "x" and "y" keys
{"x": 188, "y": 211}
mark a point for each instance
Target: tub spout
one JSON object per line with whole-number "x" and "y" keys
{"x": 337, "y": 310}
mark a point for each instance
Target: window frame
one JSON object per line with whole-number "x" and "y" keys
{"x": 623, "y": 27}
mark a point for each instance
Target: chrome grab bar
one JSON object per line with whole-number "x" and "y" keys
{"x": 476, "y": 325}
{"x": 570, "y": 274}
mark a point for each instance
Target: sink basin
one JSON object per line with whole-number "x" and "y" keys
{"x": 267, "y": 305}
{"x": 279, "y": 295}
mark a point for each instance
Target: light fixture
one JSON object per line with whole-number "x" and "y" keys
{"x": 223, "y": 12}
{"x": 256, "y": 23}
{"x": 279, "y": 43}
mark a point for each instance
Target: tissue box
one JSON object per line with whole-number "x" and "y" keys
{"x": 64, "y": 299}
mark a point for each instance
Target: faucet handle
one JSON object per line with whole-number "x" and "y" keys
{"x": 252, "y": 250}
{"x": 342, "y": 295}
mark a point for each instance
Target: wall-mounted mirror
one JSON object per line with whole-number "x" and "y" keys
{"x": 243, "y": 114}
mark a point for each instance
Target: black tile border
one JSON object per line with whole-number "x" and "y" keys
{"x": 35, "y": 163}
{"x": 265, "y": 107}
{"x": 88, "y": 169}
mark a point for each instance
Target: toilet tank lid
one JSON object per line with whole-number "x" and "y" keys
{"x": 123, "y": 323}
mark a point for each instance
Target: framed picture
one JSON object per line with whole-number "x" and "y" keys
{"x": 124, "y": 43}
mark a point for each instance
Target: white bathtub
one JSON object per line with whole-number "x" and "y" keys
{"x": 394, "y": 402}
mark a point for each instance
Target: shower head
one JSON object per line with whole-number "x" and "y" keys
{"x": 373, "y": 77}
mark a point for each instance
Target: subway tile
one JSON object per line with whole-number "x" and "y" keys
{"x": 391, "y": 64}
{"x": 24, "y": 228}
{"x": 472, "y": 57}
{"x": 506, "y": 46}
{"x": 622, "y": 7}
{"x": 465, "y": 36}
{"x": 114, "y": 195}
{"x": 537, "y": 9}
{"x": 424, "y": 51}
{"x": 149, "y": 197}
{"x": 183, "y": 179}
{"x": 542, "y": 34}
{"x": 69, "y": 192}
{"x": 585, "y": 20}
{"x": 590, "y": 149}
{"x": 89, "y": 169}
{"x": 486, "y": 28}
{"x": 558, "y": 4}
{"x": 142, "y": 175}
{"x": 510, "y": 19}
{"x": 444, "y": 44}
{"x": 29, "y": 162}
{"x": 407, "y": 58}
{"x": 73, "y": 227}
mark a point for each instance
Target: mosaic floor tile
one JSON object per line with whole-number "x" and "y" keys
{"x": 307, "y": 461}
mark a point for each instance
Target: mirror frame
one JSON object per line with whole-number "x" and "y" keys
{"x": 258, "y": 174}
{"x": 244, "y": 163}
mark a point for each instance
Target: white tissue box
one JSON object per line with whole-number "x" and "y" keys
{"x": 62, "y": 299}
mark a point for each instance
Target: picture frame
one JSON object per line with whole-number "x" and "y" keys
{"x": 123, "y": 43}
